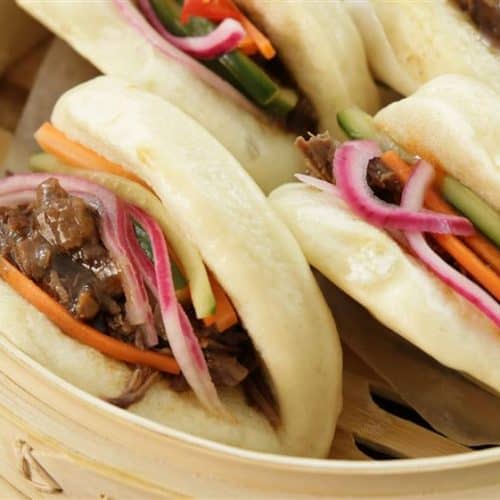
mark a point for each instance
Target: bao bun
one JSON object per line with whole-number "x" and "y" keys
{"x": 453, "y": 122}
{"x": 221, "y": 210}
{"x": 410, "y": 42}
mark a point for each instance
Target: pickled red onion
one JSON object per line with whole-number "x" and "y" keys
{"x": 350, "y": 169}
{"x": 180, "y": 334}
{"x": 412, "y": 199}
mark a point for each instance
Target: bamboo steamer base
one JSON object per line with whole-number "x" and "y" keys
{"x": 57, "y": 441}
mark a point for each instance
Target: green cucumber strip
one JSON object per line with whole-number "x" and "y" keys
{"x": 235, "y": 67}
{"x": 199, "y": 284}
{"x": 484, "y": 217}
{"x": 143, "y": 240}
{"x": 357, "y": 124}
{"x": 179, "y": 281}
{"x": 360, "y": 125}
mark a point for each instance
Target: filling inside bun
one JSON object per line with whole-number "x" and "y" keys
{"x": 219, "y": 35}
{"x": 485, "y": 14}
{"x": 434, "y": 217}
{"x": 93, "y": 249}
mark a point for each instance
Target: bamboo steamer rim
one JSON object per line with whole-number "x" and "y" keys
{"x": 297, "y": 464}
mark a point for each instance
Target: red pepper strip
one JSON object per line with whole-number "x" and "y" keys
{"x": 215, "y": 10}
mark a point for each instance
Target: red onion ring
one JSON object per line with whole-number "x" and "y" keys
{"x": 350, "y": 169}
{"x": 114, "y": 223}
{"x": 221, "y": 40}
{"x": 180, "y": 334}
{"x": 412, "y": 199}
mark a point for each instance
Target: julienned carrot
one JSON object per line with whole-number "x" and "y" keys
{"x": 471, "y": 262}
{"x": 485, "y": 275}
{"x": 53, "y": 141}
{"x": 486, "y": 250}
{"x": 78, "y": 330}
{"x": 248, "y": 46}
{"x": 225, "y": 315}
{"x": 263, "y": 43}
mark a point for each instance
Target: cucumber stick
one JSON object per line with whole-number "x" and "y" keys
{"x": 179, "y": 281}
{"x": 360, "y": 125}
{"x": 484, "y": 217}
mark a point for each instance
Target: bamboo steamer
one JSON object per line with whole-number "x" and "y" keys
{"x": 56, "y": 440}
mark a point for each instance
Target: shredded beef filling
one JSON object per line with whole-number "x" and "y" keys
{"x": 486, "y": 15}
{"x": 55, "y": 242}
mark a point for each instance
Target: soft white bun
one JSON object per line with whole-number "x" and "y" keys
{"x": 242, "y": 241}
{"x": 454, "y": 122}
{"x": 370, "y": 267}
{"x": 322, "y": 48}
{"x": 97, "y": 31}
{"x": 18, "y": 33}
{"x": 410, "y": 42}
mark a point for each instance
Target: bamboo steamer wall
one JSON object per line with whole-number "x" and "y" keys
{"x": 56, "y": 440}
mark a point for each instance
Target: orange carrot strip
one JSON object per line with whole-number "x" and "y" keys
{"x": 263, "y": 43}
{"x": 485, "y": 275}
{"x": 225, "y": 315}
{"x": 78, "y": 330}
{"x": 53, "y": 141}
{"x": 248, "y": 46}
{"x": 473, "y": 264}
{"x": 486, "y": 250}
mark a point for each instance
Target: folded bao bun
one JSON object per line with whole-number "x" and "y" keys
{"x": 321, "y": 46}
{"x": 18, "y": 33}
{"x": 408, "y": 43}
{"x": 325, "y": 55}
{"x": 452, "y": 122}
{"x": 221, "y": 210}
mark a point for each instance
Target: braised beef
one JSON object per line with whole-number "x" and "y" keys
{"x": 66, "y": 222}
{"x": 142, "y": 379}
{"x": 225, "y": 370}
{"x": 32, "y": 255}
{"x": 55, "y": 242}
{"x": 319, "y": 151}
{"x": 230, "y": 355}
{"x": 259, "y": 395}
{"x": 303, "y": 119}
{"x": 54, "y": 284}
{"x": 384, "y": 182}
{"x": 486, "y": 15}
